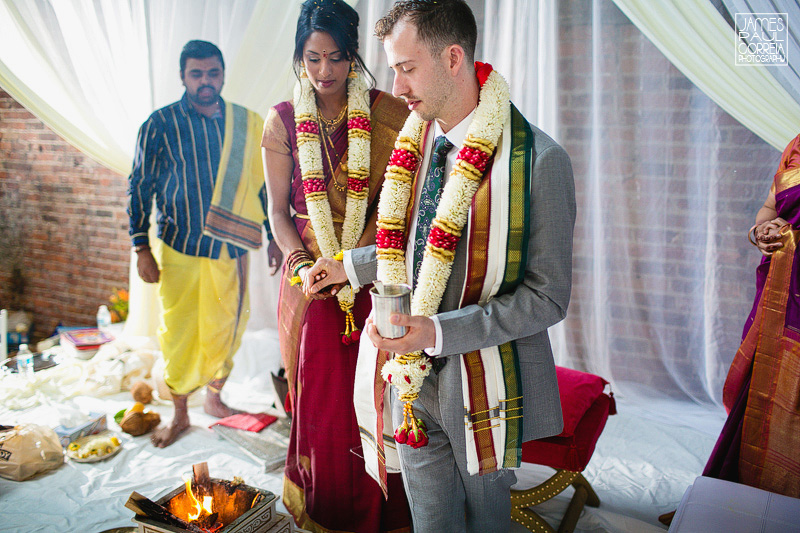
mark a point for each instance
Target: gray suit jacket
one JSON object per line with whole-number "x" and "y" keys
{"x": 537, "y": 303}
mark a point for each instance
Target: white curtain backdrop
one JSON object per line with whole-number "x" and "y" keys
{"x": 663, "y": 277}
{"x": 696, "y": 39}
{"x": 93, "y": 71}
{"x": 668, "y": 185}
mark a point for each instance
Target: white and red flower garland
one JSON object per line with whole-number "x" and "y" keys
{"x": 406, "y": 372}
{"x": 309, "y": 152}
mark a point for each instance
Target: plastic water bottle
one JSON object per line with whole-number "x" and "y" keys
{"x": 25, "y": 361}
{"x": 103, "y": 318}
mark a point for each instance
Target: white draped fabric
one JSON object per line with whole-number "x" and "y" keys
{"x": 93, "y": 71}
{"x": 663, "y": 277}
{"x": 787, "y": 75}
{"x": 695, "y": 38}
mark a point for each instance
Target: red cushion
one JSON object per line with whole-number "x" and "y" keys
{"x": 572, "y": 452}
{"x": 578, "y": 391}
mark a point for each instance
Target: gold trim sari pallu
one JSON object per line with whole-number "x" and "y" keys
{"x": 770, "y": 356}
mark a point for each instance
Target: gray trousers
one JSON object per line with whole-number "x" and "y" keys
{"x": 443, "y": 497}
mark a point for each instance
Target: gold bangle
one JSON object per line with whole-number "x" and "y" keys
{"x": 751, "y": 235}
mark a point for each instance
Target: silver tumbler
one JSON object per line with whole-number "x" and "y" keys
{"x": 395, "y": 299}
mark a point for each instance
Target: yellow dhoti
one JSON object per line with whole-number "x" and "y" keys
{"x": 205, "y": 310}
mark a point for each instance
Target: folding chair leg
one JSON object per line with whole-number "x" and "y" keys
{"x": 521, "y": 501}
{"x": 584, "y": 495}
{"x": 573, "y": 512}
{"x": 591, "y": 498}
{"x": 555, "y": 485}
{"x": 530, "y": 520}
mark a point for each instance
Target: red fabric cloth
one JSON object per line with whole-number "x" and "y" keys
{"x": 573, "y": 452}
{"x": 578, "y": 391}
{"x": 247, "y": 421}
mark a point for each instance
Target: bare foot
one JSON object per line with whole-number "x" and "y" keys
{"x": 166, "y": 435}
{"x": 215, "y": 407}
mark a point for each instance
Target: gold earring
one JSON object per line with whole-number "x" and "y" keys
{"x": 352, "y": 73}
{"x": 303, "y": 74}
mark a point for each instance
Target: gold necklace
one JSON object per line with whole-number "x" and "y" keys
{"x": 330, "y": 124}
{"x": 325, "y": 141}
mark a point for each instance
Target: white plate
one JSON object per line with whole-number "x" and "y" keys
{"x": 94, "y": 458}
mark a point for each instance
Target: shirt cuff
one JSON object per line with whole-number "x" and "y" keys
{"x": 350, "y": 270}
{"x": 140, "y": 239}
{"x": 437, "y": 347}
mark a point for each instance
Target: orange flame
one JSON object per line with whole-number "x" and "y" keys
{"x": 198, "y": 508}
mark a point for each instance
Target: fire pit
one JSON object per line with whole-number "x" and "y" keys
{"x": 208, "y": 505}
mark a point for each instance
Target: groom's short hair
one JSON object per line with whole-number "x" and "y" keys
{"x": 439, "y": 23}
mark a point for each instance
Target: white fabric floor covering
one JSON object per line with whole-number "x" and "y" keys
{"x": 643, "y": 463}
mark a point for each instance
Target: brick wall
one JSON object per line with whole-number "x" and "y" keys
{"x": 659, "y": 137}
{"x": 62, "y": 223}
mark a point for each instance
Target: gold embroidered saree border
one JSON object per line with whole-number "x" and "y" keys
{"x": 771, "y": 427}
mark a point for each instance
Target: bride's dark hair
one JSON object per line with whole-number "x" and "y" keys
{"x": 338, "y": 20}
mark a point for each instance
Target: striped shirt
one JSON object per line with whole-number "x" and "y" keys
{"x": 177, "y": 158}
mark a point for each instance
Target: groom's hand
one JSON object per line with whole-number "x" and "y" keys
{"x": 421, "y": 334}
{"x": 325, "y": 278}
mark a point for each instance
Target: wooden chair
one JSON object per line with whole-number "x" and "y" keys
{"x": 585, "y": 408}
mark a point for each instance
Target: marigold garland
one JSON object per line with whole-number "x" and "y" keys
{"x": 406, "y": 372}
{"x": 309, "y": 153}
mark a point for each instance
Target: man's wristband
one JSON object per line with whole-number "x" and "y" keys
{"x": 141, "y": 247}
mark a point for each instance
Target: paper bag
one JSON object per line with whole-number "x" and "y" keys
{"x": 27, "y": 450}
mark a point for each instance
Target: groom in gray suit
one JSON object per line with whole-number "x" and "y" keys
{"x": 430, "y": 46}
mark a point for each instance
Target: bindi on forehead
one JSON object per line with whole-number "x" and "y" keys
{"x": 324, "y": 53}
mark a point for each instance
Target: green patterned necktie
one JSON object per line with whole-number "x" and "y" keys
{"x": 431, "y": 194}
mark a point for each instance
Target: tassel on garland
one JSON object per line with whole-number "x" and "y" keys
{"x": 351, "y": 333}
{"x": 414, "y": 433}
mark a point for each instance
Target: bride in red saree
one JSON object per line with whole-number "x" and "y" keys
{"x": 325, "y": 153}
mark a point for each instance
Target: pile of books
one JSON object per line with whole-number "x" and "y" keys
{"x": 82, "y": 343}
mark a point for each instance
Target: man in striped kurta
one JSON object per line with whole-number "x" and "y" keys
{"x": 200, "y": 159}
